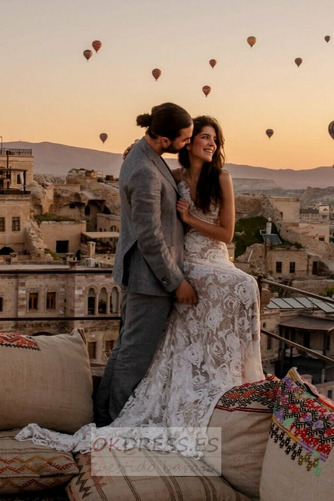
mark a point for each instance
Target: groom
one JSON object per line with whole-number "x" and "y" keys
{"x": 149, "y": 255}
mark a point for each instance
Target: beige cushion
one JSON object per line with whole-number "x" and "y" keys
{"x": 28, "y": 467}
{"x": 244, "y": 416}
{"x": 299, "y": 458}
{"x": 45, "y": 380}
{"x": 155, "y": 484}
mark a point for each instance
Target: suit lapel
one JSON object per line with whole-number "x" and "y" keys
{"x": 159, "y": 163}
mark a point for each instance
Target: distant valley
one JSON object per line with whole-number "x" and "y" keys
{"x": 57, "y": 159}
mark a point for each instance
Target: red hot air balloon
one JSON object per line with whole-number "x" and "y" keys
{"x": 327, "y": 38}
{"x": 97, "y": 45}
{"x": 331, "y": 129}
{"x": 212, "y": 63}
{"x": 103, "y": 137}
{"x": 206, "y": 89}
{"x": 298, "y": 61}
{"x": 156, "y": 73}
{"x": 88, "y": 54}
{"x": 251, "y": 41}
{"x": 269, "y": 132}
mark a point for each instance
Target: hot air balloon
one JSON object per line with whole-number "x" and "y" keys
{"x": 269, "y": 132}
{"x": 103, "y": 137}
{"x": 88, "y": 54}
{"x": 327, "y": 38}
{"x": 251, "y": 41}
{"x": 331, "y": 129}
{"x": 97, "y": 45}
{"x": 156, "y": 73}
{"x": 206, "y": 89}
{"x": 212, "y": 63}
{"x": 298, "y": 61}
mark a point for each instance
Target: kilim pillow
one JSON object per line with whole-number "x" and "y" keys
{"x": 244, "y": 415}
{"x": 149, "y": 478}
{"x": 299, "y": 458}
{"x": 45, "y": 380}
{"x": 26, "y": 467}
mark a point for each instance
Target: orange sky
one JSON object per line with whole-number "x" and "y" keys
{"x": 51, "y": 93}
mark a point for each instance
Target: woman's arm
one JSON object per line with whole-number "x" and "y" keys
{"x": 225, "y": 229}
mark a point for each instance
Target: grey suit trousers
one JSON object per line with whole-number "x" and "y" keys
{"x": 143, "y": 323}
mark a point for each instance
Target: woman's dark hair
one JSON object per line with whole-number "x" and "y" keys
{"x": 208, "y": 186}
{"x": 165, "y": 120}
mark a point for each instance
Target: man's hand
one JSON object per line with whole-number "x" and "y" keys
{"x": 186, "y": 294}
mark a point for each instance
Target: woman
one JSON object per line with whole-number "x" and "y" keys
{"x": 210, "y": 347}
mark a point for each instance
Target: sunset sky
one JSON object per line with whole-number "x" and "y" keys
{"x": 49, "y": 92}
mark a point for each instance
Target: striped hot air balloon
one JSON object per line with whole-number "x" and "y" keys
{"x": 97, "y": 45}
{"x": 156, "y": 73}
{"x": 206, "y": 89}
{"x": 331, "y": 129}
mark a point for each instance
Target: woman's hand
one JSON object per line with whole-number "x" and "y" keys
{"x": 129, "y": 148}
{"x": 183, "y": 206}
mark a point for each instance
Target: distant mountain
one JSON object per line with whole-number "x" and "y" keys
{"x": 58, "y": 159}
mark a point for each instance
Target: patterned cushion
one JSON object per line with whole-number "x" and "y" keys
{"x": 156, "y": 485}
{"x": 299, "y": 458}
{"x": 45, "y": 380}
{"x": 244, "y": 416}
{"x": 26, "y": 467}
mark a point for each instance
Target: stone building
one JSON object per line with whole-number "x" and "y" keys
{"x": 30, "y": 295}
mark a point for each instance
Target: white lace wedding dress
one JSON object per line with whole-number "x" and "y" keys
{"x": 206, "y": 351}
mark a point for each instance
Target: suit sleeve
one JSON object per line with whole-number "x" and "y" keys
{"x": 147, "y": 194}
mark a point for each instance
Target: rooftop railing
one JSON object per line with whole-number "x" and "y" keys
{"x": 261, "y": 280}
{"x": 16, "y": 151}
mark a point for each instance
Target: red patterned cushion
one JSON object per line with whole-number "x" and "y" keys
{"x": 25, "y": 467}
{"x": 299, "y": 457}
{"x": 244, "y": 415}
{"x": 45, "y": 380}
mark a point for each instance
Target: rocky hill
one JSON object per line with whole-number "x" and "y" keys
{"x": 57, "y": 159}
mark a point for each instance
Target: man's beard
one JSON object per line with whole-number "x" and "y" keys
{"x": 171, "y": 149}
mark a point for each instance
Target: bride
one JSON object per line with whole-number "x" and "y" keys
{"x": 208, "y": 348}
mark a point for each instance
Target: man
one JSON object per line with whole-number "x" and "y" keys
{"x": 149, "y": 255}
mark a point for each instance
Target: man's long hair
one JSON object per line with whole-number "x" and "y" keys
{"x": 165, "y": 120}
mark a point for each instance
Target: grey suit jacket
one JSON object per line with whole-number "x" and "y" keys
{"x": 149, "y": 255}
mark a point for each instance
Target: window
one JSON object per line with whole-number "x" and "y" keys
{"x": 91, "y": 346}
{"x": 278, "y": 266}
{"x": 108, "y": 346}
{"x": 15, "y": 224}
{"x": 315, "y": 267}
{"x": 103, "y": 301}
{"x": 2, "y": 224}
{"x": 61, "y": 246}
{"x": 72, "y": 205}
{"x": 292, "y": 267}
{"x": 330, "y": 394}
{"x": 33, "y": 301}
{"x": 87, "y": 210}
{"x": 269, "y": 343}
{"x": 50, "y": 300}
{"x": 91, "y": 302}
{"x": 1, "y": 303}
{"x": 114, "y": 300}
{"x": 18, "y": 179}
